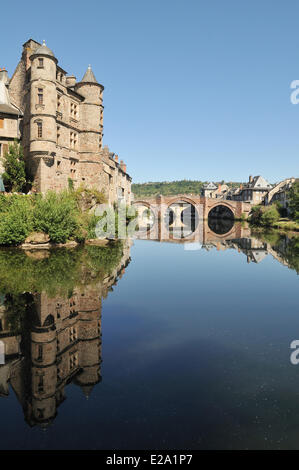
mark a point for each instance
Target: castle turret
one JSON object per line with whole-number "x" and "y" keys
{"x": 43, "y": 103}
{"x": 44, "y": 372}
{"x": 92, "y": 112}
{"x": 90, "y": 341}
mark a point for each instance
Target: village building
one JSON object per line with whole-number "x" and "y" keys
{"x": 59, "y": 122}
{"x": 281, "y": 193}
{"x": 254, "y": 191}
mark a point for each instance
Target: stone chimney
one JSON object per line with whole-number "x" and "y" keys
{"x": 250, "y": 179}
{"x": 219, "y": 188}
{"x": 4, "y": 76}
{"x": 116, "y": 158}
{"x": 70, "y": 80}
{"x": 123, "y": 166}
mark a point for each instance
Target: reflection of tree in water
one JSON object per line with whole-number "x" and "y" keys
{"x": 58, "y": 271}
{"x": 52, "y": 333}
{"x": 285, "y": 246}
{"x": 220, "y": 226}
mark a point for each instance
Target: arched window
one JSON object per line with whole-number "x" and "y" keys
{"x": 2, "y": 353}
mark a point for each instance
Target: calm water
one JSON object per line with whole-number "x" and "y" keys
{"x": 165, "y": 347}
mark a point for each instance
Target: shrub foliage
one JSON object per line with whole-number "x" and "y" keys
{"x": 14, "y": 176}
{"x": 265, "y": 215}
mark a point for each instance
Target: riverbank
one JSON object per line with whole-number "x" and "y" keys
{"x": 271, "y": 217}
{"x": 283, "y": 225}
{"x": 67, "y": 218}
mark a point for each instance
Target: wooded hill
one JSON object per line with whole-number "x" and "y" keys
{"x": 170, "y": 188}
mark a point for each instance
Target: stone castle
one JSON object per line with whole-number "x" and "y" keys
{"x": 59, "y": 122}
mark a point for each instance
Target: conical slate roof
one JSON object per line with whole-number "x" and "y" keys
{"x": 89, "y": 76}
{"x": 43, "y": 50}
{"x": 87, "y": 389}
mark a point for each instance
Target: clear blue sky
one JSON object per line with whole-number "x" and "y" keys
{"x": 194, "y": 89}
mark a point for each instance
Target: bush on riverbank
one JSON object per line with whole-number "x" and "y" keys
{"x": 14, "y": 176}
{"x": 265, "y": 216}
{"x": 64, "y": 216}
{"x": 16, "y": 221}
{"x": 294, "y": 200}
{"x": 57, "y": 215}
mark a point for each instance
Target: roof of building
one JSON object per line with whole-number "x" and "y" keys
{"x": 209, "y": 186}
{"x": 5, "y": 105}
{"x": 89, "y": 76}
{"x": 43, "y": 50}
{"x": 259, "y": 182}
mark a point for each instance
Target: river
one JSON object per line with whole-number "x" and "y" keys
{"x": 151, "y": 345}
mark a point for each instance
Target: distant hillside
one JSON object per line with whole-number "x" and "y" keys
{"x": 170, "y": 188}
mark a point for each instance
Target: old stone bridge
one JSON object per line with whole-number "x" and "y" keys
{"x": 203, "y": 205}
{"x": 182, "y": 216}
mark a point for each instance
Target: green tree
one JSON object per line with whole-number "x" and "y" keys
{"x": 16, "y": 221}
{"x": 270, "y": 215}
{"x": 264, "y": 215}
{"x": 14, "y": 176}
{"x": 294, "y": 200}
{"x": 57, "y": 215}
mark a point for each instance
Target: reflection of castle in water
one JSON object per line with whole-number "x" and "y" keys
{"x": 60, "y": 344}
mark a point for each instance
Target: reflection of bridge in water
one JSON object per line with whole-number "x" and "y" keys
{"x": 208, "y": 225}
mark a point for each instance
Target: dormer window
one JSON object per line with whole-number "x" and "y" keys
{"x": 40, "y": 63}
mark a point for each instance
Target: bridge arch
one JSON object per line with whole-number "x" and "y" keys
{"x": 213, "y": 209}
{"x": 147, "y": 219}
{"x": 222, "y": 228}
{"x": 178, "y": 199}
{"x": 180, "y": 215}
{"x": 141, "y": 203}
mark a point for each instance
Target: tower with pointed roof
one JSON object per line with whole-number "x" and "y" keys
{"x": 61, "y": 126}
{"x": 43, "y": 126}
{"x": 91, "y": 113}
